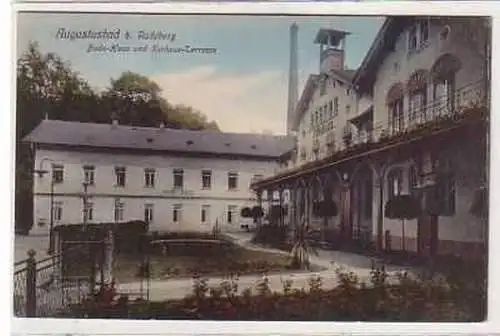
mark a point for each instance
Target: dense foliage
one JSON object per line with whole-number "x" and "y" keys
{"x": 46, "y": 85}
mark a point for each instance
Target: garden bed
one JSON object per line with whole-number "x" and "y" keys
{"x": 186, "y": 261}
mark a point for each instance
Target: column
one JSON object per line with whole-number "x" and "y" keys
{"x": 259, "y": 204}
{"x": 379, "y": 190}
{"x": 282, "y": 215}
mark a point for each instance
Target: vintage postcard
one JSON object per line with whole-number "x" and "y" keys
{"x": 252, "y": 168}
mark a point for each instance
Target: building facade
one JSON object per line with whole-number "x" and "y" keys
{"x": 417, "y": 125}
{"x": 173, "y": 179}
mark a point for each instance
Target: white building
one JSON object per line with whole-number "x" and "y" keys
{"x": 411, "y": 120}
{"x": 174, "y": 179}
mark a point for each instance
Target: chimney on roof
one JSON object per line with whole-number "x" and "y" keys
{"x": 292, "y": 78}
{"x": 46, "y": 117}
{"x": 162, "y": 125}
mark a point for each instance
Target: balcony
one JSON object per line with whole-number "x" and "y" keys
{"x": 437, "y": 114}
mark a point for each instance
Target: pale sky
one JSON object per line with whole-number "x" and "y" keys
{"x": 243, "y": 86}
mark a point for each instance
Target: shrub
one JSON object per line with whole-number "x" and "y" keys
{"x": 271, "y": 235}
{"x": 246, "y": 212}
{"x": 402, "y": 299}
{"x": 257, "y": 212}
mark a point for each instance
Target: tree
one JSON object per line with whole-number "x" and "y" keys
{"x": 402, "y": 207}
{"x": 136, "y": 99}
{"x": 45, "y": 85}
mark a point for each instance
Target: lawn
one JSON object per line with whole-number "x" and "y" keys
{"x": 186, "y": 261}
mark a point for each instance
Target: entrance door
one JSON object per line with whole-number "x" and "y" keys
{"x": 427, "y": 235}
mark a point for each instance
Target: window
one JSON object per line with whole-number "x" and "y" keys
{"x": 206, "y": 179}
{"x": 412, "y": 38}
{"x": 330, "y": 109}
{"x": 205, "y": 213}
{"x": 89, "y": 175}
{"x": 148, "y": 213}
{"x": 57, "y": 173}
{"x": 120, "y": 173}
{"x": 177, "y": 213}
{"x": 231, "y": 214}
{"x": 413, "y": 179}
{"x": 396, "y": 115}
{"x": 57, "y": 211}
{"x": 178, "y": 178}
{"x": 348, "y": 109}
{"x": 418, "y": 35}
{"x": 88, "y": 211}
{"x": 395, "y": 183}
{"x": 418, "y": 102}
{"x": 335, "y": 106}
{"x": 424, "y": 32}
{"x": 232, "y": 181}
{"x": 322, "y": 89}
{"x": 149, "y": 177}
{"x": 444, "y": 92}
{"x": 119, "y": 207}
{"x": 417, "y": 88}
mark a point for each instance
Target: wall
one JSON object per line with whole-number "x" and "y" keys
{"x": 135, "y": 195}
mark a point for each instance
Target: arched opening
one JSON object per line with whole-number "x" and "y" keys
{"x": 362, "y": 203}
{"x": 395, "y": 104}
{"x": 443, "y": 74}
{"x": 417, "y": 90}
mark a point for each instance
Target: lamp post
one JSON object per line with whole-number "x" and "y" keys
{"x": 41, "y": 172}
{"x": 85, "y": 207}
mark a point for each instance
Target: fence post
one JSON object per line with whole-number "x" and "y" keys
{"x": 31, "y": 284}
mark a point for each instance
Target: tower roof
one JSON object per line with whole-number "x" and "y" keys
{"x": 324, "y": 34}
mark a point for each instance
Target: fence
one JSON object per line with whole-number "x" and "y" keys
{"x": 45, "y": 287}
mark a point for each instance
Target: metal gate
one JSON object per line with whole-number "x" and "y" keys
{"x": 42, "y": 288}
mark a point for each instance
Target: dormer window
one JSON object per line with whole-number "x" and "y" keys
{"x": 189, "y": 142}
{"x": 149, "y": 140}
{"x": 418, "y": 35}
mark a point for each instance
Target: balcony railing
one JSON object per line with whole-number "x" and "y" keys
{"x": 441, "y": 109}
{"x": 467, "y": 100}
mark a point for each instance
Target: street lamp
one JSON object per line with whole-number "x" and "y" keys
{"x": 41, "y": 172}
{"x": 85, "y": 185}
